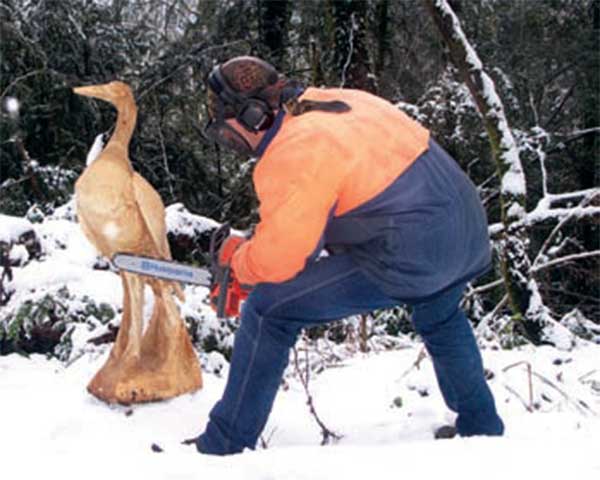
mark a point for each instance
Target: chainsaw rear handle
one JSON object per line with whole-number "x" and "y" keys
{"x": 221, "y": 274}
{"x": 217, "y": 238}
{"x": 226, "y": 293}
{"x": 222, "y": 306}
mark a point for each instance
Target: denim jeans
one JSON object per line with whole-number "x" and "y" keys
{"x": 333, "y": 288}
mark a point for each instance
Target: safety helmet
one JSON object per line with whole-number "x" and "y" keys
{"x": 247, "y": 89}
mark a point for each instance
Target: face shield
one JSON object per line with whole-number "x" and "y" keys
{"x": 219, "y": 131}
{"x": 227, "y": 137}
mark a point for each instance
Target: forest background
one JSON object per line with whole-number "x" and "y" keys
{"x": 542, "y": 56}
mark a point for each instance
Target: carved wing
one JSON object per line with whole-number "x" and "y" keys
{"x": 153, "y": 212}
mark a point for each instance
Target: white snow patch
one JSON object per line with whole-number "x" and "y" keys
{"x": 11, "y": 228}
{"x": 95, "y": 149}
{"x": 180, "y": 220}
{"x": 12, "y": 106}
{"x": 513, "y": 182}
{"x": 516, "y": 211}
{"x": 379, "y": 440}
{"x": 18, "y": 255}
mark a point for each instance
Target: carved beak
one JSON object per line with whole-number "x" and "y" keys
{"x": 95, "y": 91}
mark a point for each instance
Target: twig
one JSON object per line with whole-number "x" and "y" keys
{"x": 23, "y": 77}
{"x": 566, "y": 258}
{"x": 6, "y": 273}
{"x": 485, "y": 288}
{"x": 264, "y": 442}
{"x": 490, "y": 316}
{"x": 161, "y": 137}
{"x": 12, "y": 183}
{"x": 584, "y": 202}
{"x": 529, "y": 372}
{"x": 577, "y": 405}
{"x": 326, "y": 433}
{"x": 196, "y": 52}
{"x": 580, "y": 379}
{"x": 363, "y": 334}
{"x": 416, "y": 364}
{"x": 519, "y": 397}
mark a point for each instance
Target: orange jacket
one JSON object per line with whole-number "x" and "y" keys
{"x": 316, "y": 161}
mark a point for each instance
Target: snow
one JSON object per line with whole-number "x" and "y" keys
{"x": 95, "y": 149}
{"x": 11, "y": 228}
{"x": 47, "y": 413}
{"x": 180, "y": 220}
{"x": 515, "y": 211}
{"x": 12, "y": 106}
{"x": 18, "y": 255}
{"x": 384, "y": 408}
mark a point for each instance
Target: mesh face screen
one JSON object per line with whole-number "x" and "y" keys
{"x": 227, "y": 137}
{"x": 214, "y": 103}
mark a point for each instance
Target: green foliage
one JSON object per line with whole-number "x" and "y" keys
{"x": 212, "y": 334}
{"x": 45, "y": 325}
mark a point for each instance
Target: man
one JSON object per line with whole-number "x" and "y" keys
{"x": 346, "y": 171}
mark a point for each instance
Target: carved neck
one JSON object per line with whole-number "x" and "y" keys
{"x": 127, "y": 115}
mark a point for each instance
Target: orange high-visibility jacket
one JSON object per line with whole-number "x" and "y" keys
{"x": 318, "y": 161}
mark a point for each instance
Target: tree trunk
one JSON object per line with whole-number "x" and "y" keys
{"x": 383, "y": 35}
{"x": 351, "y": 52}
{"x": 514, "y": 261}
{"x": 273, "y": 29}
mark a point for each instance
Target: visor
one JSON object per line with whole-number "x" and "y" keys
{"x": 216, "y": 107}
{"x": 226, "y": 136}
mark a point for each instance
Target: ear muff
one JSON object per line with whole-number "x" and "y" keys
{"x": 254, "y": 114}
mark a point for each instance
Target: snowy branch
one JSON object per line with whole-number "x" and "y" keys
{"x": 546, "y": 245}
{"x": 566, "y": 258}
{"x": 544, "y": 211}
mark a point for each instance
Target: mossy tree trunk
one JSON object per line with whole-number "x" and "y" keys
{"x": 514, "y": 261}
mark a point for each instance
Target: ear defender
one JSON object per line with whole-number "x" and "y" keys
{"x": 253, "y": 113}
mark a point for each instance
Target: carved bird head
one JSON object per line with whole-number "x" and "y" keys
{"x": 115, "y": 92}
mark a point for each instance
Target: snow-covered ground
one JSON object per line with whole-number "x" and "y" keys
{"x": 51, "y": 427}
{"x": 384, "y": 407}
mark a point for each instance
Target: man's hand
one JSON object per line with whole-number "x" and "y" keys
{"x": 235, "y": 294}
{"x": 226, "y": 292}
{"x": 228, "y": 248}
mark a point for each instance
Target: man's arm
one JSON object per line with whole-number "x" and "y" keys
{"x": 297, "y": 191}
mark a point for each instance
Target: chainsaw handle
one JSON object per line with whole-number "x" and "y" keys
{"x": 223, "y": 289}
{"x": 216, "y": 241}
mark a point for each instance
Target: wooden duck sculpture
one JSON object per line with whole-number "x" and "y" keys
{"x": 119, "y": 211}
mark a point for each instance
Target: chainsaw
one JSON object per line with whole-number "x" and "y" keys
{"x": 225, "y": 295}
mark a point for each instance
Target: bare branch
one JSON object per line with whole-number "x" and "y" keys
{"x": 530, "y": 383}
{"x": 326, "y": 433}
{"x": 566, "y": 258}
{"x": 485, "y": 288}
{"x": 560, "y": 106}
{"x": 586, "y": 200}
{"x": 20, "y": 79}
